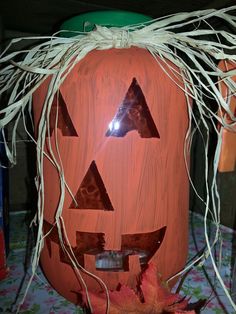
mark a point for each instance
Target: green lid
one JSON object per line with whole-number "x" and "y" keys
{"x": 85, "y": 22}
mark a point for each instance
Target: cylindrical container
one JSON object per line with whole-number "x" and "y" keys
{"x": 121, "y": 130}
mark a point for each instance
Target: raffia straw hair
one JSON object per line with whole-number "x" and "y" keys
{"x": 22, "y": 72}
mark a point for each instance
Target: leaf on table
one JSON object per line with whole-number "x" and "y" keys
{"x": 122, "y": 301}
{"x": 152, "y": 296}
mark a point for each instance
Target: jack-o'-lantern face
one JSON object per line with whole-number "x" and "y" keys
{"x": 121, "y": 126}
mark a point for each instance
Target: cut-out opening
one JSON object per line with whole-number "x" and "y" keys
{"x": 86, "y": 243}
{"x": 90, "y": 242}
{"x": 92, "y": 193}
{"x": 112, "y": 261}
{"x": 144, "y": 245}
{"x": 64, "y": 122}
{"x": 133, "y": 114}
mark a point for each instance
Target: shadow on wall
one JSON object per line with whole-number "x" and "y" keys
{"x": 22, "y": 190}
{"x": 226, "y": 181}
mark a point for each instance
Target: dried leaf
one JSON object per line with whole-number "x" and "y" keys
{"x": 152, "y": 296}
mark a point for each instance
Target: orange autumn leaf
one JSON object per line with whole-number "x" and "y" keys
{"x": 152, "y": 297}
{"x": 157, "y": 296}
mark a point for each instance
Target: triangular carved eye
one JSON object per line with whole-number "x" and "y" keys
{"x": 64, "y": 122}
{"x": 92, "y": 193}
{"x": 133, "y": 114}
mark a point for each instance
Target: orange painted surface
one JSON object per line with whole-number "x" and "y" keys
{"x": 227, "y": 160}
{"x": 133, "y": 171}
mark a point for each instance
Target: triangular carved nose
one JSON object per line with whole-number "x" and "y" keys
{"x": 92, "y": 193}
{"x": 133, "y": 114}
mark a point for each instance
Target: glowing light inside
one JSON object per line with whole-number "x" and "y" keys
{"x": 111, "y": 126}
{"x": 114, "y": 125}
{"x": 117, "y": 125}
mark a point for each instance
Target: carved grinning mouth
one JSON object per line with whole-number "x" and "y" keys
{"x": 145, "y": 245}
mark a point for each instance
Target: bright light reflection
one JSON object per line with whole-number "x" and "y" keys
{"x": 117, "y": 125}
{"x": 111, "y": 126}
{"x": 114, "y": 125}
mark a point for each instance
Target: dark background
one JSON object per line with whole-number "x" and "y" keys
{"x": 44, "y": 16}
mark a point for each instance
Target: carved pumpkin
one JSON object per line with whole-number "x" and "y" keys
{"x": 121, "y": 130}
